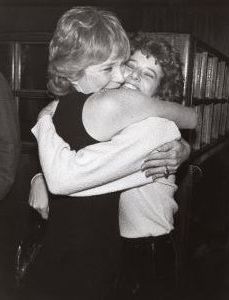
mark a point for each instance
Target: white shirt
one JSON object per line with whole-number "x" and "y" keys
{"x": 111, "y": 166}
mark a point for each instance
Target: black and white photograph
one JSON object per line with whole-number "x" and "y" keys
{"x": 114, "y": 150}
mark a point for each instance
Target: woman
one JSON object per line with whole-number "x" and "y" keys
{"x": 85, "y": 57}
{"x": 146, "y": 213}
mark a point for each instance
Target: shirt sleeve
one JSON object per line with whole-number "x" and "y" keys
{"x": 108, "y": 166}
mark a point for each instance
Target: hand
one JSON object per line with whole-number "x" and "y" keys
{"x": 48, "y": 110}
{"x": 170, "y": 155}
{"x": 38, "y": 197}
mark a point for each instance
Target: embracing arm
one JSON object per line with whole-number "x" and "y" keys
{"x": 106, "y": 113}
{"x": 67, "y": 171}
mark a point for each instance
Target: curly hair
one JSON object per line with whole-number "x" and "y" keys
{"x": 84, "y": 36}
{"x": 172, "y": 83}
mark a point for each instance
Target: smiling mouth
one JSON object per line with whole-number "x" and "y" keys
{"x": 130, "y": 86}
{"x": 113, "y": 86}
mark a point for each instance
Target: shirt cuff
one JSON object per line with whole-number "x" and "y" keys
{"x": 35, "y": 176}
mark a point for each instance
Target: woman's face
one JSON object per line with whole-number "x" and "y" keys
{"x": 108, "y": 74}
{"x": 143, "y": 74}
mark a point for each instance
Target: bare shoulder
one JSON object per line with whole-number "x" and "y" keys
{"x": 100, "y": 114}
{"x": 117, "y": 100}
{"x": 119, "y": 96}
{"x": 107, "y": 101}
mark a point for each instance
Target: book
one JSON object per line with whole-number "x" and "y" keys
{"x": 223, "y": 119}
{"x": 196, "y": 76}
{"x": 215, "y": 121}
{"x": 227, "y": 120}
{"x": 203, "y": 74}
{"x": 213, "y": 78}
{"x": 226, "y": 84}
{"x": 220, "y": 80}
{"x": 196, "y": 140}
{"x": 209, "y": 77}
{"x": 207, "y": 124}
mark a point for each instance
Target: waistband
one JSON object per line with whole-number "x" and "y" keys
{"x": 150, "y": 239}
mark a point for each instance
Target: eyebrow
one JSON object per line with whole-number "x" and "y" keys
{"x": 148, "y": 68}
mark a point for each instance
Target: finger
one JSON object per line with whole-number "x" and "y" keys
{"x": 167, "y": 146}
{"x": 161, "y": 155}
{"x": 44, "y": 212}
{"x": 159, "y": 163}
{"x": 37, "y": 207}
{"x": 31, "y": 202}
{"x": 155, "y": 177}
{"x": 44, "y": 215}
{"x": 160, "y": 171}
{"x": 154, "y": 171}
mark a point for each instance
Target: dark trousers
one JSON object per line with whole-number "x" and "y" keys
{"x": 148, "y": 268}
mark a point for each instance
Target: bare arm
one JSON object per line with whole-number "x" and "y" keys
{"x": 109, "y": 112}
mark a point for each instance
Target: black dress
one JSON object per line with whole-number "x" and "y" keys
{"x": 80, "y": 255}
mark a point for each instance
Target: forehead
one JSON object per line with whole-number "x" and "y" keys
{"x": 145, "y": 62}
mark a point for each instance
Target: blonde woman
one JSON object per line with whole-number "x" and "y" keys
{"x": 87, "y": 54}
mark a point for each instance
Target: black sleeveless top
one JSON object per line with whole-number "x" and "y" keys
{"x": 96, "y": 216}
{"x": 68, "y": 120}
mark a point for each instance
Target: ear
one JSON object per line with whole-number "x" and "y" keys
{"x": 77, "y": 86}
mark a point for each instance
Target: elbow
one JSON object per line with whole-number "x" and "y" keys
{"x": 57, "y": 186}
{"x": 54, "y": 186}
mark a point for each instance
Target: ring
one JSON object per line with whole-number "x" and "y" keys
{"x": 166, "y": 173}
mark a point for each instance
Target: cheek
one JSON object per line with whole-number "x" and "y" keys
{"x": 148, "y": 87}
{"x": 154, "y": 87}
{"x": 100, "y": 81}
{"x": 106, "y": 78}
{"x": 94, "y": 83}
{"x": 126, "y": 72}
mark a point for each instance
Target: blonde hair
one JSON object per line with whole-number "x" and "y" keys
{"x": 84, "y": 36}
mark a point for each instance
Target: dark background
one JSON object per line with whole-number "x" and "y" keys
{"x": 206, "y": 19}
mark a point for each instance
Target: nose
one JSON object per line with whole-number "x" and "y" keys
{"x": 135, "y": 74}
{"x": 118, "y": 75}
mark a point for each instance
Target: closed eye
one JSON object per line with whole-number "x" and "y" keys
{"x": 129, "y": 65}
{"x": 149, "y": 75}
{"x": 109, "y": 69}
